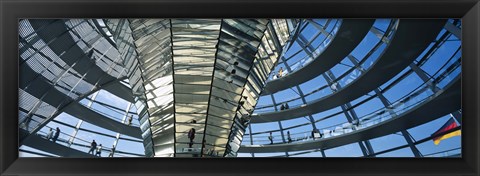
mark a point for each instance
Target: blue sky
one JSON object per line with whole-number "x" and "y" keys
{"x": 410, "y": 83}
{"x": 438, "y": 59}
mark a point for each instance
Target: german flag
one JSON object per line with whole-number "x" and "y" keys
{"x": 448, "y": 126}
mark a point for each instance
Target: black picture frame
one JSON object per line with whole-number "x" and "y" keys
{"x": 12, "y": 10}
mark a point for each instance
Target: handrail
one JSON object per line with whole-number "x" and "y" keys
{"x": 398, "y": 147}
{"x": 110, "y": 116}
{"x": 439, "y": 79}
{"x": 444, "y": 152}
{"x": 308, "y": 58}
{"x": 439, "y": 43}
{"x": 86, "y": 143}
{"x": 95, "y": 132}
{"x": 399, "y": 102}
{"x": 388, "y": 33}
{"x": 114, "y": 108}
{"x": 297, "y": 110}
{"x": 35, "y": 153}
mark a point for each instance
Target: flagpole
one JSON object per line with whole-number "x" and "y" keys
{"x": 454, "y": 119}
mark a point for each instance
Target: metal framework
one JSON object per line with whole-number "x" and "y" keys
{"x": 193, "y": 84}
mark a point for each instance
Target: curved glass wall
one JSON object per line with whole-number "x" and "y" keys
{"x": 78, "y": 134}
{"x": 83, "y": 77}
{"x": 318, "y": 33}
{"x": 67, "y": 64}
{"x": 435, "y": 68}
{"x": 369, "y": 50}
{"x": 419, "y": 95}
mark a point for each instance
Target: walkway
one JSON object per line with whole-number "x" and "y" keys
{"x": 410, "y": 40}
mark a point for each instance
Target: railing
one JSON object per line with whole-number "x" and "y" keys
{"x": 455, "y": 152}
{"x": 343, "y": 80}
{"x": 107, "y": 64}
{"x": 198, "y": 152}
{"x": 309, "y": 58}
{"x": 371, "y": 119}
{"x": 36, "y": 153}
{"x": 446, "y": 153}
{"x": 113, "y": 117}
{"x": 415, "y": 97}
{"x": 69, "y": 140}
{"x": 30, "y": 128}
